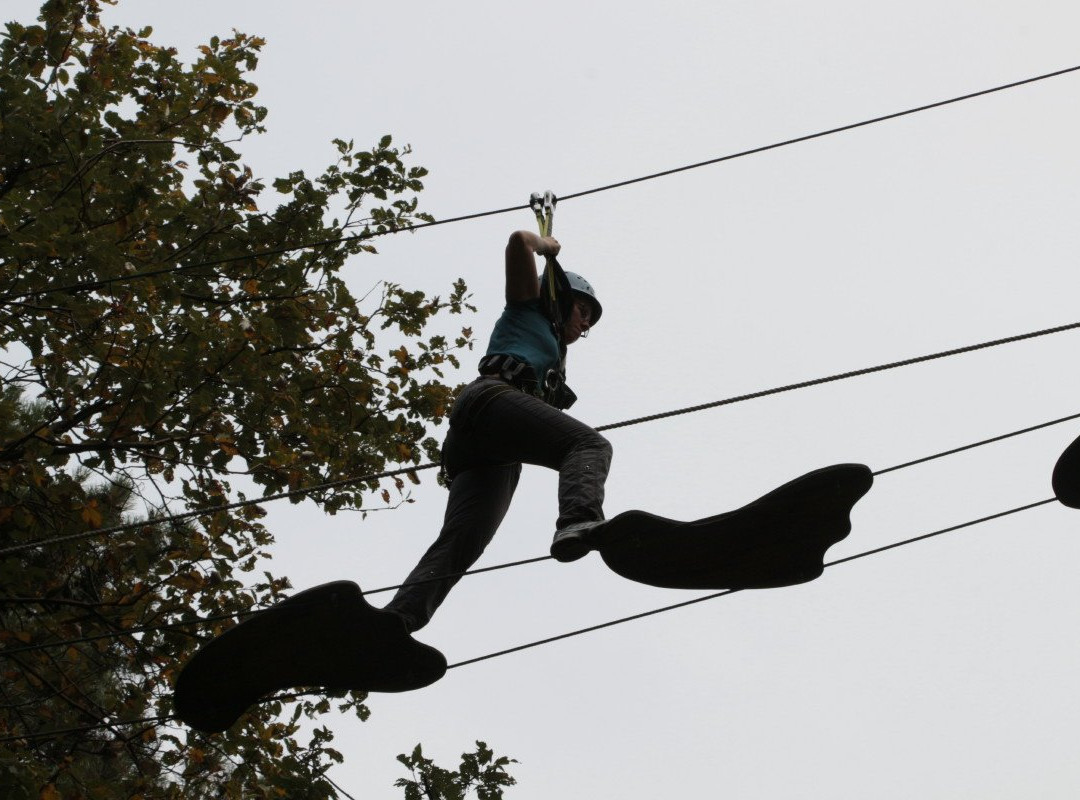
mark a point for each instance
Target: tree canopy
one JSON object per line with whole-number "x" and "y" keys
{"x": 168, "y": 345}
{"x": 480, "y": 771}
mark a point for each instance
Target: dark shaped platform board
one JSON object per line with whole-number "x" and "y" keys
{"x": 1066, "y": 479}
{"x": 328, "y": 636}
{"x": 778, "y": 540}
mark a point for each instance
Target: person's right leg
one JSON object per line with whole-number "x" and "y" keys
{"x": 478, "y": 502}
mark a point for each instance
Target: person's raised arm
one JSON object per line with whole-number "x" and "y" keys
{"x": 522, "y": 282}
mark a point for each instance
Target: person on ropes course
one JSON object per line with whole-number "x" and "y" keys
{"x": 510, "y": 415}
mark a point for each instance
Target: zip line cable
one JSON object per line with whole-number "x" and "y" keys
{"x": 199, "y": 512}
{"x": 13, "y": 651}
{"x": 154, "y": 721}
{"x": 865, "y": 554}
{"x": 974, "y": 445}
{"x": 87, "y": 285}
{"x": 838, "y": 377}
{"x": 99, "y": 284}
{"x": 820, "y": 134}
{"x": 174, "y": 626}
{"x": 612, "y": 426}
{"x": 327, "y": 778}
{"x": 725, "y": 592}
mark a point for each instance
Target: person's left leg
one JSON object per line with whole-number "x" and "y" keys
{"x": 516, "y": 427}
{"x": 493, "y": 428}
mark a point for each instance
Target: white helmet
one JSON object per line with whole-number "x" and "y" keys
{"x": 581, "y": 286}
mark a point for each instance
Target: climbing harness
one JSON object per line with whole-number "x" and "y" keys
{"x": 552, "y": 390}
{"x": 512, "y": 370}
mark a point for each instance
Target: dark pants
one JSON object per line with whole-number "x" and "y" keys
{"x": 494, "y": 429}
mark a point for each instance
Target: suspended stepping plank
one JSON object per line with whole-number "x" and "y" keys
{"x": 1066, "y": 478}
{"x": 328, "y": 637}
{"x": 778, "y": 540}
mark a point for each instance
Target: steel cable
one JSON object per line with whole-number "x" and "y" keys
{"x": 725, "y": 592}
{"x": 87, "y": 285}
{"x": 636, "y": 421}
{"x": 13, "y": 651}
{"x": 895, "y": 545}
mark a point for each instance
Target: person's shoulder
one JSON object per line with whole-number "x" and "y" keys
{"x": 523, "y": 306}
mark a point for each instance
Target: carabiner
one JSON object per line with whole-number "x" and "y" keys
{"x": 543, "y": 206}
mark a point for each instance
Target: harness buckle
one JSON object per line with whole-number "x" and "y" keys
{"x": 556, "y": 393}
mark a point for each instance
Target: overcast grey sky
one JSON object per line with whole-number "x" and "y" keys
{"x": 945, "y": 669}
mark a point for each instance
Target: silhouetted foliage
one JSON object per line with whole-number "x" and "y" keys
{"x": 480, "y": 772}
{"x": 157, "y": 395}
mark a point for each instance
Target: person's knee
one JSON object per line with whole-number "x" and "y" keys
{"x": 604, "y": 447}
{"x": 594, "y": 446}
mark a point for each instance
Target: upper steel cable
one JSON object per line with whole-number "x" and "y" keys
{"x": 86, "y": 285}
{"x": 818, "y": 135}
{"x": 636, "y": 421}
{"x": 98, "y": 284}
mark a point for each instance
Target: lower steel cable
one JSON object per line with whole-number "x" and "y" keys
{"x": 726, "y": 592}
{"x": 166, "y": 718}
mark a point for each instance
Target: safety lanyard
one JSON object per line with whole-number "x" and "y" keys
{"x": 554, "y": 290}
{"x": 543, "y": 206}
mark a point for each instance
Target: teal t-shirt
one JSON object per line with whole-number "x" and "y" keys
{"x": 525, "y": 333}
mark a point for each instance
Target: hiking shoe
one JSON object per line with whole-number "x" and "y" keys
{"x": 575, "y": 540}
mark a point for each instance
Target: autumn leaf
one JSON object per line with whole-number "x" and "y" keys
{"x": 91, "y": 515}
{"x": 228, "y": 447}
{"x": 219, "y": 112}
